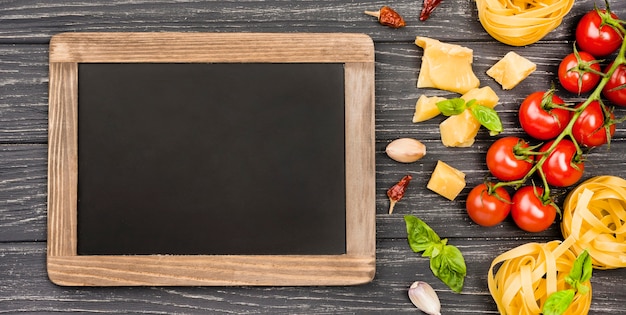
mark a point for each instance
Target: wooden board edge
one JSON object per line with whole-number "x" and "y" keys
{"x": 360, "y": 159}
{"x": 211, "y": 47}
{"x": 62, "y": 158}
{"x": 237, "y": 270}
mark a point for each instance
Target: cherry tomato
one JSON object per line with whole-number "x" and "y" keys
{"x": 590, "y": 127}
{"x": 595, "y": 39}
{"x": 530, "y": 212}
{"x": 488, "y": 209}
{"x": 563, "y": 167}
{"x": 506, "y": 159}
{"x": 540, "y": 119}
{"x": 574, "y": 73}
{"x": 615, "y": 88}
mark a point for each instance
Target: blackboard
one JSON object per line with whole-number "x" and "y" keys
{"x": 211, "y": 159}
{"x": 172, "y": 161}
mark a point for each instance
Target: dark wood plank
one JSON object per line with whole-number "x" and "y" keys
{"x": 397, "y": 266}
{"x": 23, "y": 94}
{"x": 28, "y": 21}
{"x": 23, "y": 192}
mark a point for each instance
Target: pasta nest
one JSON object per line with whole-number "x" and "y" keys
{"x": 521, "y": 22}
{"x": 528, "y": 274}
{"x": 594, "y": 215}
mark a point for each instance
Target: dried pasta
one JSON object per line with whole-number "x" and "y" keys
{"x": 521, "y": 22}
{"x": 594, "y": 215}
{"x": 528, "y": 274}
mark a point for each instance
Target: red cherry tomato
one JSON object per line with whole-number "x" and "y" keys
{"x": 540, "y": 119}
{"x": 615, "y": 88}
{"x": 590, "y": 127}
{"x": 529, "y": 212}
{"x": 506, "y": 159}
{"x": 563, "y": 167}
{"x": 595, "y": 39}
{"x": 488, "y": 209}
{"x": 574, "y": 74}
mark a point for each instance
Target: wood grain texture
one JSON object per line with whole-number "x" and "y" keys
{"x": 210, "y": 47}
{"x": 23, "y": 94}
{"x": 214, "y": 270}
{"x": 35, "y": 21}
{"x": 385, "y": 295}
{"x": 360, "y": 160}
{"x": 63, "y": 159}
{"x": 25, "y": 31}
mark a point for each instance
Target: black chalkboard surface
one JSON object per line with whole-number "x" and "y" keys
{"x": 211, "y": 159}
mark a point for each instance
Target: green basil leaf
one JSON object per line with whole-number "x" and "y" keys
{"x": 587, "y": 267}
{"x": 453, "y": 106}
{"x": 558, "y": 302}
{"x": 449, "y": 267}
{"x": 419, "y": 234}
{"x": 433, "y": 250}
{"x": 581, "y": 272}
{"x": 487, "y": 117}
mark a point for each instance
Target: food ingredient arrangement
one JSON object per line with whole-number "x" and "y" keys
{"x": 534, "y": 278}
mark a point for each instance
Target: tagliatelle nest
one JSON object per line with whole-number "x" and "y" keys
{"x": 528, "y": 274}
{"x": 594, "y": 215}
{"x": 521, "y": 22}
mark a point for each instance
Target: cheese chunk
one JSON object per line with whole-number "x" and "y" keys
{"x": 459, "y": 130}
{"x": 511, "y": 70}
{"x": 446, "y": 181}
{"x": 484, "y": 96}
{"x": 446, "y": 66}
{"x": 426, "y": 108}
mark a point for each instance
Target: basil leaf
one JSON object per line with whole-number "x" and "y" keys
{"x": 446, "y": 261}
{"x": 433, "y": 250}
{"x": 558, "y": 302}
{"x": 453, "y": 106}
{"x": 487, "y": 117}
{"x": 419, "y": 234}
{"x": 449, "y": 267}
{"x": 581, "y": 272}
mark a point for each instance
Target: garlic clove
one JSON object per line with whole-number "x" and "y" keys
{"x": 425, "y": 298}
{"x": 405, "y": 150}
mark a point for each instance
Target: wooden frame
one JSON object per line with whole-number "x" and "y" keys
{"x": 66, "y": 267}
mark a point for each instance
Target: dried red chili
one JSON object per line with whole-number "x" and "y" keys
{"x": 429, "y": 6}
{"x": 388, "y": 17}
{"x": 396, "y": 192}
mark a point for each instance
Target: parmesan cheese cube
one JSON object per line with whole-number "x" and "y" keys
{"x": 446, "y": 66}
{"x": 426, "y": 108}
{"x": 446, "y": 181}
{"x": 511, "y": 70}
{"x": 459, "y": 130}
{"x": 484, "y": 96}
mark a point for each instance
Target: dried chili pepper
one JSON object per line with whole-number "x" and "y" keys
{"x": 396, "y": 192}
{"x": 429, "y": 6}
{"x": 388, "y": 17}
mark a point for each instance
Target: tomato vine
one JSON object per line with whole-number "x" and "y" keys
{"x": 566, "y": 137}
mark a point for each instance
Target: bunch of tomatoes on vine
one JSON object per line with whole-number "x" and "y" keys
{"x": 566, "y": 131}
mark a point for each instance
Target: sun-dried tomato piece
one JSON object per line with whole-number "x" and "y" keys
{"x": 388, "y": 17}
{"x": 396, "y": 192}
{"x": 429, "y": 6}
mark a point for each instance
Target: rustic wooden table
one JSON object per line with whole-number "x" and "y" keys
{"x": 25, "y": 30}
